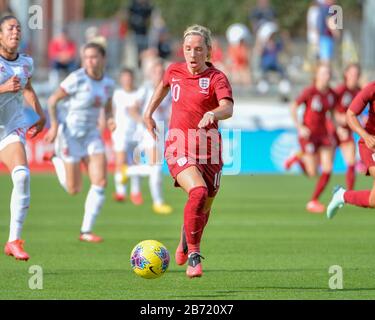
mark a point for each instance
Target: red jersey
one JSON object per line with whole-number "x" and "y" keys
{"x": 192, "y": 97}
{"x": 317, "y": 105}
{"x": 364, "y": 97}
{"x": 345, "y": 97}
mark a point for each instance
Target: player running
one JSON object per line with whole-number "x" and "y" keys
{"x": 201, "y": 95}
{"x": 152, "y": 148}
{"x": 343, "y": 135}
{"x": 87, "y": 90}
{"x": 366, "y": 145}
{"x": 124, "y": 140}
{"x": 315, "y": 141}
{"x": 15, "y": 85}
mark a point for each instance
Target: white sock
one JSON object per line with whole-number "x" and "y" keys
{"x": 119, "y": 186}
{"x": 20, "y": 201}
{"x": 138, "y": 170}
{"x": 156, "y": 184}
{"x": 135, "y": 184}
{"x": 59, "y": 165}
{"x": 94, "y": 202}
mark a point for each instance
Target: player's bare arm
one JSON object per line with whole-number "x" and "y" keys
{"x": 32, "y": 99}
{"x": 222, "y": 112}
{"x": 356, "y": 126}
{"x": 59, "y": 95}
{"x": 110, "y": 121}
{"x": 158, "y": 96}
{"x": 303, "y": 131}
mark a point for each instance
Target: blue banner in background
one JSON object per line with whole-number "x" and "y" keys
{"x": 264, "y": 152}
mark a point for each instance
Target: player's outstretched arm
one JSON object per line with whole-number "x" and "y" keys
{"x": 303, "y": 131}
{"x": 222, "y": 112}
{"x": 32, "y": 99}
{"x": 158, "y": 96}
{"x": 57, "y": 96}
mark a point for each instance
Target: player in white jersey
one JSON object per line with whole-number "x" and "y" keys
{"x": 123, "y": 138}
{"x": 88, "y": 90}
{"x": 15, "y": 84}
{"x": 152, "y": 148}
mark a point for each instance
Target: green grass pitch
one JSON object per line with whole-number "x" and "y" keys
{"x": 260, "y": 243}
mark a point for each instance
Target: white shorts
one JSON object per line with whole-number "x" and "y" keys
{"x": 123, "y": 142}
{"x": 17, "y": 135}
{"x": 72, "y": 149}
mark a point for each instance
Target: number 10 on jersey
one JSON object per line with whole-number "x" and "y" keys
{"x": 175, "y": 91}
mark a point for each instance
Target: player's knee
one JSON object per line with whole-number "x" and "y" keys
{"x": 21, "y": 178}
{"x": 198, "y": 196}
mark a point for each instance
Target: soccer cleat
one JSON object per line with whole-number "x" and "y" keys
{"x": 15, "y": 249}
{"x": 336, "y": 202}
{"x": 90, "y": 237}
{"x": 194, "y": 268}
{"x": 314, "y": 206}
{"x": 182, "y": 249}
{"x": 162, "y": 208}
{"x": 119, "y": 197}
{"x": 136, "y": 198}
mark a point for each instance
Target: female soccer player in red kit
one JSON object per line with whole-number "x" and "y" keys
{"x": 315, "y": 141}
{"x": 201, "y": 96}
{"x": 343, "y": 135}
{"x": 366, "y": 145}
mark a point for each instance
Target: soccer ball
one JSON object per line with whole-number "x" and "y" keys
{"x": 149, "y": 259}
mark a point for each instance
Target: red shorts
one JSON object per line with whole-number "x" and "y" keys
{"x": 313, "y": 143}
{"x": 211, "y": 173}
{"x": 367, "y": 156}
{"x": 344, "y": 139}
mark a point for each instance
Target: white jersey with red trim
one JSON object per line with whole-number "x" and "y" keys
{"x": 11, "y": 103}
{"x": 86, "y": 98}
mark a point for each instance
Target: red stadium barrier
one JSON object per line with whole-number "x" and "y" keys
{"x": 37, "y": 147}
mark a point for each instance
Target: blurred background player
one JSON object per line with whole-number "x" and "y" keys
{"x": 315, "y": 141}
{"x": 366, "y": 145}
{"x": 88, "y": 90}
{"x": 123, "y": 138}
{"x": 15, "y": 84}
{"x": 201, "y": 96}
{"x": 153, "y": 149}
{"x": 343, "y": 135}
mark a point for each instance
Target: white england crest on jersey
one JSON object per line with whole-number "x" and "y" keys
{"x": 204, "y": 83}
{"x": 346, "y": 99}
{"x": 331, "y": 99}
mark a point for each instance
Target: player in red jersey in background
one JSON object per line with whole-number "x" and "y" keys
{"x": 315, "y": 141}
{"x": 366, "y": 145}
{"x": 201, "y": 96}
{"x": 343, "y": 135}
